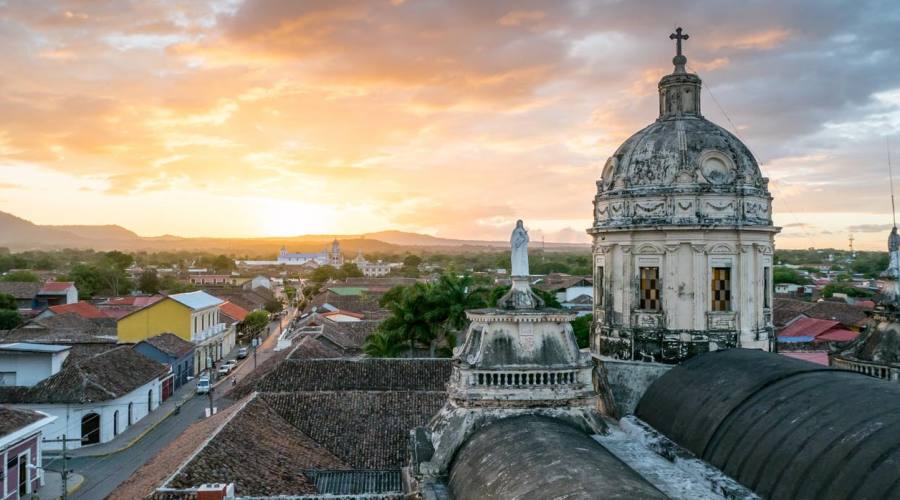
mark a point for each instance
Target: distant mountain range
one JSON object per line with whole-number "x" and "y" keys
{"x": 19, "y": 234}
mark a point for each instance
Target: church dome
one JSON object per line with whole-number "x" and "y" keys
{"x": 682, "y": 169}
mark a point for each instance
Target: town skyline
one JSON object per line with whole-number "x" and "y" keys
{"x": 224, "y": 119}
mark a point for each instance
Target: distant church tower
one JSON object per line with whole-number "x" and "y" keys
{"x": 683, "y": 237}
{"x": 335, "y": 257}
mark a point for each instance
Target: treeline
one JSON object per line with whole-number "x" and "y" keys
{"x": 576, "y": 263}
{"x": 869, "y": 264}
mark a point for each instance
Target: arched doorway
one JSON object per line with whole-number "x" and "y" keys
{"x": 116, "y": 423}
{"x": 130, "y": 413}
{"x": 90, "y": 429}
{"x": 150, "y": 401}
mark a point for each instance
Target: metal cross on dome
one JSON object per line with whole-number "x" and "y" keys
{"x": 678, "y": 37}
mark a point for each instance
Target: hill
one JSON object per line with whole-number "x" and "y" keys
{"x": 19, "y": 234}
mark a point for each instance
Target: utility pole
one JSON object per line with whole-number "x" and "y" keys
{"x": 65, "y": 465}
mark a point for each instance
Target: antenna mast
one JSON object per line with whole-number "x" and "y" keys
{"x": 887, "y": 143}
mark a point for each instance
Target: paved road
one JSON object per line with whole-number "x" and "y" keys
{"x": 103, "y": 474}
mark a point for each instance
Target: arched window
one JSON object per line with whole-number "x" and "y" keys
{"x": 130, "y": 413}
{"x": 90, "y": 429}
{"x": 116, "y": 423}
{"x": 150, "y": 401}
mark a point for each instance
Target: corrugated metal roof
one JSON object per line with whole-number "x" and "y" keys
{"x": 29, "y": 347}
{"x": 347, "y": 290}
{"x": 196, "y": 300}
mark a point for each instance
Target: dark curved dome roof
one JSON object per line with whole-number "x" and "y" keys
{"x": 784, "y": 428}
{"x": 533, "y": 457}
{"x": 681, "y": 150}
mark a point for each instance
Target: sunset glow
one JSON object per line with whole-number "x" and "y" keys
{"x": 275, "y": 118}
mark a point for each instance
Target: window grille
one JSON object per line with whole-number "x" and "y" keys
{"x": 650, "y": 297}
{"x": 721, "y": 289}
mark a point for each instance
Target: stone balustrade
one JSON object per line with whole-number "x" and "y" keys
{"x": 523, "y": 378}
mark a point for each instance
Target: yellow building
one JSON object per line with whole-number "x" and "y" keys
{"x": 193, "y": 316}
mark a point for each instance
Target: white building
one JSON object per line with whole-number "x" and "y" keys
{"x": 372, "y": 269}
{"x": 25, "y": 364}
{"x": 683, "y": 237}
{"x": 94, "y": 399}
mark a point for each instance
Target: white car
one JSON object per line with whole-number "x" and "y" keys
{"x": 225, "y": 368}
{"x": 203, "y": 386}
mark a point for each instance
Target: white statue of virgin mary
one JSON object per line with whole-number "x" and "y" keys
{"x": 519, "y": 257}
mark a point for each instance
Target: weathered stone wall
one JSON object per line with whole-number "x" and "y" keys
{"x": 621, "y": 384}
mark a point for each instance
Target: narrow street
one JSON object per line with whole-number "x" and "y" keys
{"x": 102, "y": 474}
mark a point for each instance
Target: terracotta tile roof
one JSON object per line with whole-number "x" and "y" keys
{"x": 56, "y": 287}
{"x": 838, "y": 311}
{"x": 83, "y": 309}
{"x": 363, "y": 303}
{"x": 808, "y": 327}
{"x": 365, "y": 429}
{"x": 171, "y": 344}
{"x": 233, "y": 311}
{"x": 144, "y": 481}
{"x": 106, "y": 376}
{"x": 365, "y": 374}
{"x": 260, "y": 453}
{"x": 132, "y": 300}
{"x": 785, "y": 310}
{"x": 310, "y": 347}
{"x": 68, "y": 328}
{"x": 554, "y": 282}
{"x": 13, "y": 419}
{"x": 21, "y": 290}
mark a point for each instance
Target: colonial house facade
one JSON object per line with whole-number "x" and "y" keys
{"x": 192, "y": 316}
{"x": 95, "y": 398}
{"x": 21, "y": 450}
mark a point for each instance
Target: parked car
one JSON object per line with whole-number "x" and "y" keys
{"x": 243, "y": 352}
{"x": 231, "y": 364}
{"x": 224, "y": 369}
{"x": 203, "y": 385}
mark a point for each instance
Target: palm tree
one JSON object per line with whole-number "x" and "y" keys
{"x": 381, "y": 345}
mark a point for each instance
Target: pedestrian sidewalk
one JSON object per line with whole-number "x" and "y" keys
{"x": 138, "y": 429}
{"x": 52, "y": 488}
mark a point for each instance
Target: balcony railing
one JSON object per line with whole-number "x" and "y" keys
{"x": 209, "y": 332}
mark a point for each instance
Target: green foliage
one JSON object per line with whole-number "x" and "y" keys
{"x": 8, "y": 302}
{"x": 274, "y": 306}
{"x": 582, "y": 328}
{"x": 351, "y": 270}
{"x": 851, "y": 291}
{"x": 383, "y": 344}
{"x": 787, "y": 275}
{"x": 322, "y": 274}
{"x": 105, "y": 278}
{"x": 21, "y": 276}
{"x": 256, "y": 321}
{"x": 170, "y": 284}
{"x": 9, "y": 319}
{"x": 222, "y": 264}
{"x": 149, "y": 282}
{"x": 117, "y": 260}
{"x": 290, "y": 292}
{"x": 426, "y": 315}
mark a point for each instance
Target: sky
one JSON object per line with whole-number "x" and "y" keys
{"x": 451, "y": 118}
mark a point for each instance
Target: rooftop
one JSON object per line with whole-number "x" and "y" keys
{"x": 56, "y": 287}
{"x": 83, "y": 309}
{"x": 13, "y": 419}
{"x": 196, "y": 300}
{"x": 21, "y": 290}
{"x": 29, "y": 347}
{"x": 171, "y": 344}
{"x": 365, "y": 374}
{"x": 233, "y": 311}
{"x": 106, "y": 376}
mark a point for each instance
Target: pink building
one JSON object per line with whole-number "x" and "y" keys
{"x": 21, "y": 450}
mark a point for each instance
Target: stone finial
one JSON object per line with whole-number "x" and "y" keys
{"x": 679, "y": 60}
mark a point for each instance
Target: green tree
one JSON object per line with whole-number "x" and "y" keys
{"x": 87, "y": 280}
{"x": 274, "y": 306}
{"x": 413, "y": 321}
{"x": 21, "y": 276}
{"x": 118, "y": 259}
{"x": 255, "y": 321}
{"x": 9, "y": 319}
{"x": 788, "y": 275}
{"x": 351, "y": 270}
{"x": 322, "y": 274}
{"x": 382, "y": 344}
{"x": 222, "y": 264}
{"x": 830, "y": 289}
{"x": 149, "y": 281}
{"x": 7, "y": 301}
{"x": 582, "y": 328}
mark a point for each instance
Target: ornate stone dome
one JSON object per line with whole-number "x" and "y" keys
{"x": 682, "y": 169}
